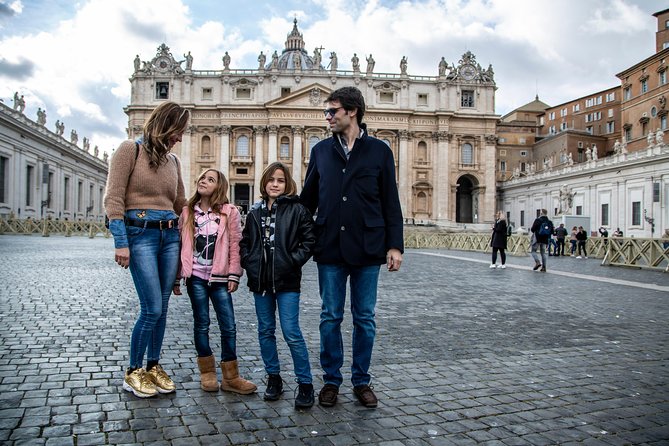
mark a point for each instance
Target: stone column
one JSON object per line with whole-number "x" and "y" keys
{"x": 442, "y": 174}
{"x": 487, "y": 211}
{"x": 404, "y": 173}
{"x": 272, "y": 149}
{"x": 223, "y": 132}
{"x": 298, "y": 132}
{"x": 186, "y": 163}
{"x": 258, "y": 161}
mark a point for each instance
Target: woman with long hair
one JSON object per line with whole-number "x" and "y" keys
{"x": 145, "y": 194}
{"x": 498, "y": 241}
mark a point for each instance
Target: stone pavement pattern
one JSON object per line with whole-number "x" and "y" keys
{"x": 464, "y": 355}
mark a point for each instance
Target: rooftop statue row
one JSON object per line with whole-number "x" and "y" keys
{"x": 295, "y": 58}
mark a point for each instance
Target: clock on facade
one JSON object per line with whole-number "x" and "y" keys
{"x": 467, "y": 72}
{"x": 163, "y": 64}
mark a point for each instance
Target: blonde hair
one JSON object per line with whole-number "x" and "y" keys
{"x": 291, "y": 187}
{"x": 217, "y": 200}
{"x": 500, "y": 215}
{"x": 166, "y": 120}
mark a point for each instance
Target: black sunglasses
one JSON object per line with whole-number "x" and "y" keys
{"x": 331, "y": 111}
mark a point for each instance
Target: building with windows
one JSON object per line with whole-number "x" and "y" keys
{"x": 441, "y": 128}
{"x": 42, "y": 175}
{"x": 602, "y": 156}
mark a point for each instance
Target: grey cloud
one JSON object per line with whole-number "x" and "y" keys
{"x": 6, "y": 11}
{"x": 152, "y": 32}
{"x": 18, "y": 71}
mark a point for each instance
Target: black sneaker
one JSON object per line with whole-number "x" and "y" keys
{"x": 305, "y": 396}
{"x": 274, "y": 388}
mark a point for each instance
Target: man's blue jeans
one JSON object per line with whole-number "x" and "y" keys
{"x": 154, "y": 258}
{"x": 332, "y": 280}
{"x": 200, "y": 293}
{"x": 288, "y": 304}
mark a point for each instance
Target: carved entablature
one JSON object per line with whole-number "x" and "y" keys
{"x": 643, "y": 77}
{"x": 404, "y": 134}
{"x": 222, "y": 129}
{"x": 490, "y": 139}
{"x": 442, "y": 136}
{"x": 162, "y": 63}
{"x": 387, "y": 86}
{"x": 662, "y": 67}
{"x": 273, "y": 128}
{"x": 298, "y": 130}
{"x": 243, "y": 83}
{"x": 259, "y": 129}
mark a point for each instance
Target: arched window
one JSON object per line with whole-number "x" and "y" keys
{"x": 313, "y": 140}
{"x": 284, "y": 148}
{"x": 205, "y": 146}
{"x": 421, "y": 153}
{"x": 421, "y": 202}
{"x": 467, "y": 154}
{"x": 242, "y": 148}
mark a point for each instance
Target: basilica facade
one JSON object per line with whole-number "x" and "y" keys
{"x": 440, "y": 128}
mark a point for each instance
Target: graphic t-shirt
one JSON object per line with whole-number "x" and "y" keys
{"x": 206, "y": 232}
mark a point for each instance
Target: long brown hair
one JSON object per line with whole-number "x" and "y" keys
{"x": 166, "y": 120}
{"x": 291, "y": 187}
{"x": 216, "y": 201}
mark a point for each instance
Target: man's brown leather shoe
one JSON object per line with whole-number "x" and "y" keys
{"x": 366, "y": 396}
{"x": 327, "y": 397}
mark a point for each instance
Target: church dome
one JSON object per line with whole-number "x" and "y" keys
{"x": 294, "y": 53}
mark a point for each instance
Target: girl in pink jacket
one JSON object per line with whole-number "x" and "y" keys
{"x": 210, "y": 233}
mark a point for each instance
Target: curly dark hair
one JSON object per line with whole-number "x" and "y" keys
{"x": 350, "y": 98}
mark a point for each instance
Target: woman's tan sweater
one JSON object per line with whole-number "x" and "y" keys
{"x": 132, "y": 184}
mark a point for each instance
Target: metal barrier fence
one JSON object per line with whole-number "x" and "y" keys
{"x": 47, "y": 227}
{"x": 647, "y": 253}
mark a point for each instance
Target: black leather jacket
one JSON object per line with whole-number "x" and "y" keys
{"x": 294, "y": 241}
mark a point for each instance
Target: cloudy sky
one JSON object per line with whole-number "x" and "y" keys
{"x": 74, "y": 58}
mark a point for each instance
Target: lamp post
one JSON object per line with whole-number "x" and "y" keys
{"x": 650, "y": 221}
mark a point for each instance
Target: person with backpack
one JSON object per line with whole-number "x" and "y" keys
{"x": 542, "y": 228}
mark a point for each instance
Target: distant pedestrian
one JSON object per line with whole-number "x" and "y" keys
{"x": 560, "y": 236}
{"x": 604, "y": 234}
{"x": 210, "y": 234}
{"x": 278, "y": 240}
{"x": 582, "y": 237}
{"x": 617, "y": 233}
{"x": 542, "y": 228}
{"x": 498, "y": 240}
{"x": 145, "y": 192}
{"x": 573, "y": 240}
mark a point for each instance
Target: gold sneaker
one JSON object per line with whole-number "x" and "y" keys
{"x": 161, "y": 381}
{"x": 140, "y": 384}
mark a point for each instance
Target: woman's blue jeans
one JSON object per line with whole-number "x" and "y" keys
{"x": 200, "y": 293}
{"x": 288, "y": 304}
{"x": 154, "y": 258}
{"x": 332, "y": 284}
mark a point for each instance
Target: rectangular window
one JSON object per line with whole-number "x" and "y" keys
{"x": 663, "y": 77}
{"x": 285, "y": 91}
{"x": 611, "y": 96}
{"x": 599, "y": 100}
{"x": 387, "y": 97}
{"x": 30, "y": 179}
{"x": 538, "y": 212}
{"x": 101, "y": 196}
{"x": 563, "y": 126}
{"x": 644, "y": 86}
{"x": 502, "y": 152}
{"x": 162, "y": 90}
{"x": 610, "y": 113}
{"x": 610, "y": 127}
{"x": 243, "y": 93}
{"x": 628, "y": 134}
{"x": 589, "y": 102}
{"x": 49, "y": 189}
{"x": 605, "y": 214}
{"x": 89, "y": 208}
{"x": 522, "y": 218}
{"x": 207, "y": 94}
{"x": 422, "y": 99}
{"x": 577, "y": 107}
{"x": 66, "y": 194}
{"x": 523, "y": 153}
{"x": 589, "y": 129}
{"x": 501, "y": 140}
{"x": 563, "y": 112}
{"x": 627, "y": 93}
{"x": 541, "y": 120}
{"x": 4, "y": 178}
{"x": 663, "y": 122}
{"x": 242, "y": 171}
{"x": 502, "y": 166}
{"x": 656, "y": 192}
{"x": 551, "y": 116}
{"x": 636, "y": 213}
{"x": 467, "y": 98}
{"x": 522, "y": 141}
{"x": 579, "y": 210}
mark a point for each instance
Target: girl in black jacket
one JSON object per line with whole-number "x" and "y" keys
{"x": 277, "y": 241}
{"x": 498, "y": 240}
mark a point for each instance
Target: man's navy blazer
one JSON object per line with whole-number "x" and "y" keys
{"x": 359, "y": 217}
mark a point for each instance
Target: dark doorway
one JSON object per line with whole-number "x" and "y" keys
{"x": 241, "y": 196}
{"x": 464, "y": 212}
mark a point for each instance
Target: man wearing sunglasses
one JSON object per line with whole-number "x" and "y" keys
{"x": 351, "y": 183}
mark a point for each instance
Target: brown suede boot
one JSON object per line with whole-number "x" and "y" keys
{"x": 207, "y": 366}
{"x": 232, "y": 382}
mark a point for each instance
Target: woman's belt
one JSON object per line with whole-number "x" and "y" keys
{"x": 153, "y": 224}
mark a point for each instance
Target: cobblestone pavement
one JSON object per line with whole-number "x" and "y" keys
{"x": 464, "y": 355}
